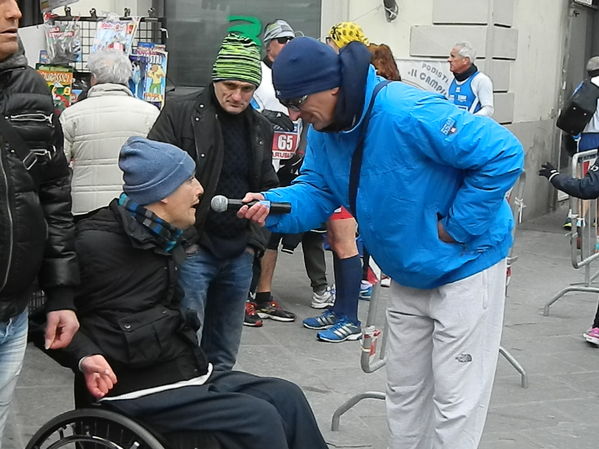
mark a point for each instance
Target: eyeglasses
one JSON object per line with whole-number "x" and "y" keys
{"x": 284, "y": 40}
{"x": 294, "y": 104}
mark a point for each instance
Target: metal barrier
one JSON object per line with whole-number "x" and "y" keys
{"x": 373, "y": 354}
{"x": 515, "y": 198}
{"x": 583, "y": 237}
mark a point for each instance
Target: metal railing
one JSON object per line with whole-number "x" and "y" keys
{"x": 583, "y": 236}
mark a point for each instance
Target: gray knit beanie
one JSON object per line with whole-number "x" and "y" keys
{"x": 153, "y": 170}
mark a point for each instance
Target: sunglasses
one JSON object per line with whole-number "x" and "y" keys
{"x": 284, "y": 40}
{"x": 294, "y": 104}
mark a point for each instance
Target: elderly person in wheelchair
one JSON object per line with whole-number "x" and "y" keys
{"x": 135, "y": 351}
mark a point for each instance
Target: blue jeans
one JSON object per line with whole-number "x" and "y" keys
{"x": 217, "y": 290}
{"x": 13, "y": 340}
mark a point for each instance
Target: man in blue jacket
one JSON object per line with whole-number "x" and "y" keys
{"x": 428, "y": 190}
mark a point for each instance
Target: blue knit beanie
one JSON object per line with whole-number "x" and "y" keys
{"x": 153, "y": 170}
{"x": 305, "y": 66}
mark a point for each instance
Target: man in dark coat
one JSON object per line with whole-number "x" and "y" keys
{"x": 36, "y": 226}
{"x": 231, "y": 144}
{"x": 135, "y": 349}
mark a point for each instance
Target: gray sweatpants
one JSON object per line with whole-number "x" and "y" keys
{"x": 442, "y": 351}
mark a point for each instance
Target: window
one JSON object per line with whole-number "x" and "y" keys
{"x": 196, "y": 29}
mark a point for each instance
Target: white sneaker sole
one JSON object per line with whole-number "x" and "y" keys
{"x": 266, "y": 316}
{"x": 592, "y": 340}
{"x": 317, "y": 328}
{"x": 351, "y": 337}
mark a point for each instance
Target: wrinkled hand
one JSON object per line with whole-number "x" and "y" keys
{"x": 548, "y": 170}
{"x": 279, "y": 119}
{"x": 99, "y": 377}
{"x": 61, "y": 326}
{"x": 443, "y": 235}
{"x": 257, "y": 213}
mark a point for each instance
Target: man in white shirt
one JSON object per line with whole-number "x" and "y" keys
{"x": 287, "y": 161}
{"x": 471, "y": 89}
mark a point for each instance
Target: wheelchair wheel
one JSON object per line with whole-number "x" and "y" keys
{"x": 93, "y": 429}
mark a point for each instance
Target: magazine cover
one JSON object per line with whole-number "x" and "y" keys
{"x": 113, "y": 33}
{"x": 60, "y": 82}
{"x": 138, "y": 77}
{"x": 155, "y": 58}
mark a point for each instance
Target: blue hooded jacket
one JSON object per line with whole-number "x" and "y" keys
{"x": 424, "y": 160}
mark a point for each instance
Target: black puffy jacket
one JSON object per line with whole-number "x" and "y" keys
{"x": 191, "y": 123}
{"x": 36, "y": 225}
{"x": 128, "y": 305}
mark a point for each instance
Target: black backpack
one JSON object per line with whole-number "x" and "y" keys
{"x": 580, "y": 108}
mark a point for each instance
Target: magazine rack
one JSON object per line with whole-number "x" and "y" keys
{"x": 150, "y": 29}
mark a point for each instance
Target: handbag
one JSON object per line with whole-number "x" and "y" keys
{"x": 580, "y": 108}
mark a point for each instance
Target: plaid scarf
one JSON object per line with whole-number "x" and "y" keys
{"x": 166, "y": 234}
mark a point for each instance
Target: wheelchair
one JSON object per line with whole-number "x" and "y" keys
{"x": 91, "y": 426}
{"x": 98, "y": 428}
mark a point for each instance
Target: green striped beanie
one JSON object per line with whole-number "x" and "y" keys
{"x": 238, "y": 59}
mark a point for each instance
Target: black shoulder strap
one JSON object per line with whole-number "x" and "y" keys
{"x": 356, "y": 162}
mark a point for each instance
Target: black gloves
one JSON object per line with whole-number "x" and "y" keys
{"x": 548, "y": 170}
{"x": 279, "y": 119}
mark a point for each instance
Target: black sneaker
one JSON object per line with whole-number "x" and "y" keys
{"x": 274, "y": 311}
{"x": 251, "y": 317}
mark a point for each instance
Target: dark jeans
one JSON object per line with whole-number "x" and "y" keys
{"x": 217, "y": 289}
{"x": 243, "y": 411}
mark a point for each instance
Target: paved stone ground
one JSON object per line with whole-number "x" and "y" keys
{"x": 558, "y": 411}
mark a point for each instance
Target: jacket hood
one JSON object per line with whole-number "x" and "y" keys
{"x": 15, "y": 60}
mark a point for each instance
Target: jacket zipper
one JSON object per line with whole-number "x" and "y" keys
{"x": 36, "y": 117}
{"x": 10, "y": 222}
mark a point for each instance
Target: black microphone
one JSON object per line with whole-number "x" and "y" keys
{"x": 221, "y": 203}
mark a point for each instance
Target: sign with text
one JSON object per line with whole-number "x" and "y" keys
{"x": 428, "y": 74}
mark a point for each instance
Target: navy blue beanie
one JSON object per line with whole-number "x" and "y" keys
{"x": 305, "y": 66}
{"x": 153, "y": 170}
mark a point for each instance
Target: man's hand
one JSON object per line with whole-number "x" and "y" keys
{"x": 61, "y": 326}
{"x": 99, "y": 377}
{"x": 279, "y": 119}
{"x": 257, "y": 213}
{"x": 443, "y": 235}
{"x": 548, "y": 170}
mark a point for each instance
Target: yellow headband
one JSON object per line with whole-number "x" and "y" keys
{"x": 345, "y": 32}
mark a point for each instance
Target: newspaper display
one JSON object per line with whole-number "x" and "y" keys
{"x": 60, "y": 83}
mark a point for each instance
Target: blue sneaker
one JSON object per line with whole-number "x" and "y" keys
{"x": 365, "y": 290}
{"x": 323, "y": 321}
{"x": 343, "y": 330}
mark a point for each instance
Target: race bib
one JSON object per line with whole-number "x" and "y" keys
{"x": 284, "y": 143}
